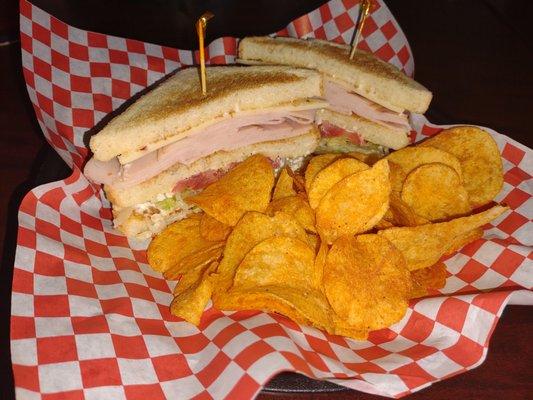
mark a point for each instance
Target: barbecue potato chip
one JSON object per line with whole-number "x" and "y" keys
{"x": 320, "y": 262}
{"x": 366, "y": 281}
{"x": 278, "y": 260}
{"x": 329, "y": 176}
{"x": 422, "y": 246}
{"x": 313, "y": 241}
{"x": 433, "y": 277}
{"x": 262, "y": 299}
{"x": 367, "y": 158}
{"x": 462, "y": 240}
{"x": 298, "y": 182}
{"x": 175, "y": 242}
{"x": 316, "y": 164}
{"x": 308, "y": 307}
{"x": 190, "y": 302}
{"x": 397, "y": 177}
{"x": 212, "y": 229}
{"x": 190, "y": 278}
{"x": 284, "y": 185}
{"x": 253, "y": 228}
{"x": 385, "y": 223}
{"x": 435, "y": 192}
{"x": 200, "y": 258}
{"x": 409, "y": 158}
{"x": 297, "y": 207}
{"x": 355, "y": 204}
{"x": 400, "y": 214}
{"x": 247, "y": 187}
{"x": 278, "y": 275}
{"x": 479, "y": 157}
{"x": 342, "y": 328}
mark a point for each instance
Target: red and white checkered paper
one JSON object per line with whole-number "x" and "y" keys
{"x": 91, "y": 320}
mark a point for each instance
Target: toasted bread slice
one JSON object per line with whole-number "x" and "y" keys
{"x": 365, "y": 74}
{"x": 177, "y": 105}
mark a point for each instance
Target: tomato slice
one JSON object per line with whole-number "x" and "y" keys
{"x": 355, "y": 138}
{"x": 203, "y": 179}
{"x": 199, "y": 181}
{"x": 329, "y": 130}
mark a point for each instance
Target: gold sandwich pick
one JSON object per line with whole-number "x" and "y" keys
{"x": 363, "y": 13}
{"x": 201, "y": 26}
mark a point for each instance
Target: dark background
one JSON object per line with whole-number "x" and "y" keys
{"x": 475, "y": 55}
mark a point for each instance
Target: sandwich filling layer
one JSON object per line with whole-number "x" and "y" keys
{"x": 344, "y": 101}
{"x": 352, "y": 122}
{"x": 335, "y": 139}
{"x": 226, "y": 135}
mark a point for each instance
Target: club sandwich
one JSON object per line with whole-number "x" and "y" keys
{"x": 173, "y": 141}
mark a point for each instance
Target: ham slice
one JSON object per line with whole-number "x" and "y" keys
{"x": 345, "y": 102}
{"x": 226, "y": 135}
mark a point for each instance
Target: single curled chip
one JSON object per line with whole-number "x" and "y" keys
{"x": 317, "y": 164}
{"x": 284, "y": 185}
{"x": 385, "y": 223}
{"x": 190, "y": 301}
{"x": 298, "y": 182}
{"x": 332, "y": 174}
{"x": 277, "y": 261}
{"x": 277, "y": 275}
{"x": 355, "y": 204}
{"x": 309, "y": 307}
{"x": 175, "y": 242}
{"x": 342, "y": 328}
{"x": 480, "y": 160}
{"x": 426, "y": 279}
{"x": 297, "y": 207}
{"x": 397, "y": 177}
{"x": 253, "y": 228}
{"x": 313, "y": 241}
{"x": 435, "y": 192}
{"x": 400, "y": 214}
{"x": 409, "y": 158}
{"x": 367, "y": 158}
{"x": 247, "y": 187}
{"x": 320, "y": 262}
{"x": 462, "y": 240}
{"x": 191, "y": 277}
{"x": 422, "y": 246}
{"x": 201, "y": 257}
{"x": 366, "y": 281}
{"x": 212, "y": 229}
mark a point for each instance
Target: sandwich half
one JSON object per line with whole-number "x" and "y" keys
{"x": 369, "y": 99}
{"x": 173, "y": 141}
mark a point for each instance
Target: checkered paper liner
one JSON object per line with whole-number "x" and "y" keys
{"x": 91, "y": 320}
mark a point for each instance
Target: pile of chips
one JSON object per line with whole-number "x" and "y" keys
{"x": 344, "y": 246}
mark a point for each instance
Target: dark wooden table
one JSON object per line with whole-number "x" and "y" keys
{"x": 476, "y": 56}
